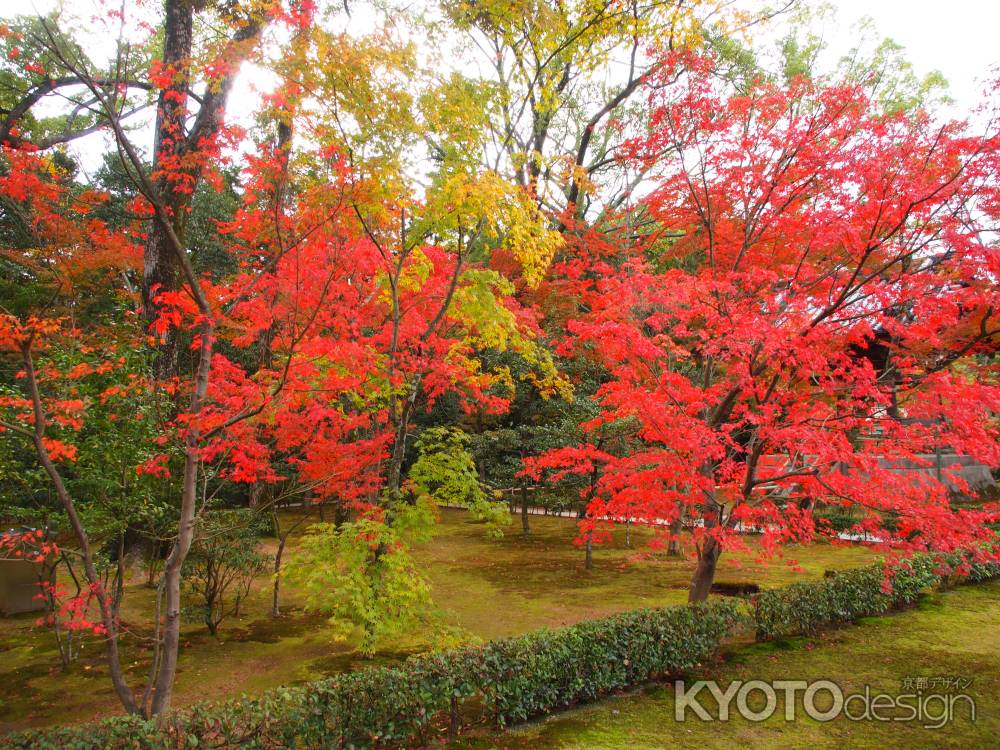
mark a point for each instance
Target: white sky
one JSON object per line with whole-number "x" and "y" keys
{"x": 957, "y": 37}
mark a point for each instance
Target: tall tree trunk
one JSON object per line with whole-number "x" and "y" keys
{"x": 116, "y": 601}
{"x": 182, "y": 545}
{"x": 704, "y": 572}
{"x": 525, "y": 525}
{"x": 276, "y": 589}
{"x": 401, "y": 425}
{"x": 282, "y": 537}
{"x": 166, "y": 250}
{"x": 674, "y": 545}
{"x": 161, "y": 266}
{"x": 589, "y": 543}
{"x": 256, "y": 492}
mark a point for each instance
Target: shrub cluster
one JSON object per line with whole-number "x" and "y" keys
{"x": 842, "y": 597}
{"x": 504, "y": 681}
{"x": 983, "y": 571}
{"x": 846, "y": 596}
{"x": 512, "y": 679}
{"x": 535, "y": 673}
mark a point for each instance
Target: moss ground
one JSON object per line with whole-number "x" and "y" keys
{"x": 953, "y": 633}
{"x": 482, "y": 588}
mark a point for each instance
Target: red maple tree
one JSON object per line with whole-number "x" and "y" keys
{"x": 812, "y": 306}
{"x": 329, "y": 321}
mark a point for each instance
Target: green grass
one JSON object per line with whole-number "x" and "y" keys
{"x": 483, "y": 589}
{"x": 952, "y": 633}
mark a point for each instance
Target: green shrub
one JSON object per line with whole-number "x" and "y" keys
{"x": 507, "y": 680}
{"x": 223, "y": 563}
{"x": 984, "y": 572}
{"x": 839, "y": 519}
{"x": 504, "y": 681}
{"x": 803, "y": 608}
{"x": 540, "y": 671}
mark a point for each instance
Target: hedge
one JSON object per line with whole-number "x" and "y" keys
{"x": 506, "y": 680}
{"x": 535, "y": 673}
{"x": 842, "y": 597}
{"x": 846, "y": 596}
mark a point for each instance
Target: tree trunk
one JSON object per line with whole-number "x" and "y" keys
{"x": 165, "y": 251}
{"x": 153, "y": 561}
{"x": 589, "y": 558}
{"x": 182, "y": 545}
{"x": 674, "y": 545}
{"x": 108, "y": 618}
{"x": 276, "y": 591}
{"x": 401, "y": 424}
{"x": 704, "y": 572}
{"x": 119, "y": 592}
{"x": 525, "y": 525}
{"x": 161, "y": 266}
{"x": 710, "y": 549}
{"x": 256, "y": 492}
{"x": 282, "y": 541}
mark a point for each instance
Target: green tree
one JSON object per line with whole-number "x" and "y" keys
{"x": 363, "y": 575}
{"x": 223, "y": 563}
{"x": 446, "y": 472}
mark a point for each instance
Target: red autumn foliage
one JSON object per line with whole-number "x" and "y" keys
{"x": 817, "y": 306}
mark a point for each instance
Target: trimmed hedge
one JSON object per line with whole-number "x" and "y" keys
{"x": 508, "y": 680}
{"x": 846, "y": 596}
{"x": 535, "y": 673}
{"x": 504, "y": 681}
